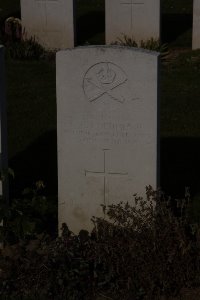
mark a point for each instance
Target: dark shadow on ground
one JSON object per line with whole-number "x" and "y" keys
{"x": 89, "y": 25}
{"x": 180, "y": 165}
{"x": 174, "y": 25}
{"x": 37, "y": 162}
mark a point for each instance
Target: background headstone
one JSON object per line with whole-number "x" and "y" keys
{"x": 106, "y": 127}
{"x": 196, "y": 25}
{"x": 137, "y": 19}
{"x": 51, "y": 22}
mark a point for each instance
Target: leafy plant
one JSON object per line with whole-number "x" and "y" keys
{"x": 25, "y": 49}
{"x": 139, "y": 252}
{"x": 13, "y": 29}
{"x": 150, "y": 44}
{"x": 146, "y": 250}
{"x": 18, "y": 46}
{"x": 28, "y": 216}
{"x": 126, "y": 41}
{"x": 155, "y": 45}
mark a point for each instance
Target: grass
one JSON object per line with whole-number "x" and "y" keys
{"x": 31, "y": 93}
{"x": 31, "y": 100}
{"x": 180, "y": 108}
{"x": 177, "y": 6}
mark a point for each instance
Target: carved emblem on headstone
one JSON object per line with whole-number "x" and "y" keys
{"x": 104, "y": 78}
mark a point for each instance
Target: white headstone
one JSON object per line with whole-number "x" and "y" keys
{"x": 196, "y": 25}
{"x": 51, "y": 22}
{"x": 107, "y": 129}
{"x": 137, "y": 19}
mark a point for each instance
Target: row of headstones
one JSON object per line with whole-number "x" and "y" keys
{"x": 52, "y": 21}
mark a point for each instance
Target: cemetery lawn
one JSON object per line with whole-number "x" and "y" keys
{"x": 180, "y": 90}
{"x": 177, "y": 6}
{"x": 31, "y": 94}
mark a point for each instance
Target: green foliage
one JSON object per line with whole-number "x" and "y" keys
{"x": 150, "y": 44}
{"x": 13, "y": 29}
{"x": 126, "y": 41}
{"x": 139, "y": 252}
{"x": 146, "y": 250}
{"x": 27, "y": 49}
{"x": 155, "y": 45}
{"x": 28, "y": 216}
{"x": 177, "y": 6}
{"x": 18, "y": 46}
{"x": 179, "y": 108}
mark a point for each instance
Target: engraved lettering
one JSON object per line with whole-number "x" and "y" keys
{"x": 91, "y": 131}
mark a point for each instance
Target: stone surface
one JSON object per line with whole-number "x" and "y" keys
{"x": 138, "y": 19}
{"x": 3, "y": 130}
{"x": 106, "y": 127}
{"x": 51, "y": 22}
{"x": 196, "y": 25}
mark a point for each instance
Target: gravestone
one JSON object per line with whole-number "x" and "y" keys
{"x": 51, "y": 22}
{"x": 106, "y": 128}
{"x": 137, "y": 19}
{"x": 196, "y": 25}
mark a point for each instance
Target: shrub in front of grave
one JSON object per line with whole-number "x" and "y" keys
{"x": 44, "y": 268}
{"x": 18, "y": 46}
{"x": 147, "y": 251}
{"x": 13, "y": 30}
{"x": 139, "y": 252}
{"x": 26, "y": 49}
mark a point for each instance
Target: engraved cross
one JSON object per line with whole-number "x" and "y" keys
{"x": 105, "y": 173}
{"x": 45, "y": 7}
{"x": 133, "y": 4}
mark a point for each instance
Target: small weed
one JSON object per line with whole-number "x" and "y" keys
{"x": 18, "y": 46}
{"x": 25, "y": 50}
{"x": 151, "y": 44}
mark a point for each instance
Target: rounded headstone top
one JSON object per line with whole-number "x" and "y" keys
{"x": 113, "y": 47}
